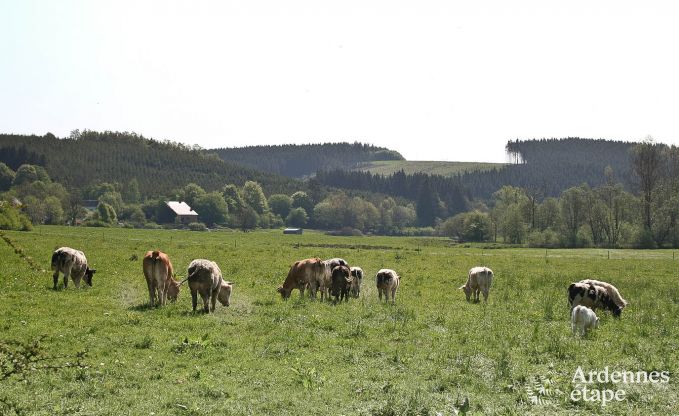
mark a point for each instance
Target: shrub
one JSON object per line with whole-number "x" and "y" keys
{"x": 197, "y": 226}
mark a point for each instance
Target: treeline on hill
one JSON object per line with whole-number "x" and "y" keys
{"x": 553, "y": 165}
{"x": 88, "y": 158}
{"x": 604, "y": 215}
{"x": 299, "y": 161}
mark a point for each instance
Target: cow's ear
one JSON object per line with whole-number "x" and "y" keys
{"x": 93, "y": 271}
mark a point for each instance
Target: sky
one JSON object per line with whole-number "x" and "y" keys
{"x": 435, "y": 80}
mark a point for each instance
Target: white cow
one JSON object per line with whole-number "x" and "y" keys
{"x": 479, "y": 280}
{"x": 583, "y": 319}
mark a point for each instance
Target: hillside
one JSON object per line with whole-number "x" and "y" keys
{"x": 298, "y": 161}
{"x": 90, "y": 157}
{"x": 409, "y": 167}
{"x": 554, "y": 165}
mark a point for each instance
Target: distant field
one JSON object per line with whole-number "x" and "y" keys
{"x": 425, "y": 355}
{"x": 387, "y": 167}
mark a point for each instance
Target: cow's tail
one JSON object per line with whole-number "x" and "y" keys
{"x": 57, "y": 260}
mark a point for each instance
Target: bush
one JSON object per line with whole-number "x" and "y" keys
{"x": 12, "y": 219}
{"x": 152, "y": 226}
{"x": 197, "y": 226}
{"x": 545, "y": 239}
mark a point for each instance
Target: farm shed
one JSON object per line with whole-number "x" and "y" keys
{"x": 182, "y": 212}
{"x": 293, "y": 231}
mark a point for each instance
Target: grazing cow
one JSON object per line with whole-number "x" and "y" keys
{"x": 387, "y": 282}
{"x": 341, "y": 283}
{"x": 596, "y": 294}
{"x": 205, "y": 278}
{"x": 583, "y": 319}
{"x": 325, "y": 282}
{"x": 479, "y": 280}
{"x": 224, "y": 296}
{"x": 72, "y": 263}
{"x": 158, "y": 272}
{"x": 356, "y": 280}
{"x": 302, "y": 273}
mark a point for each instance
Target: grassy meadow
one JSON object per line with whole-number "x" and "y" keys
{"x": 388, "y": 167}
{"x": 430, "y": 353}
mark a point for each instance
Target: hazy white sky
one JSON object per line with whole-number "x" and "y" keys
{"x": 435, "y": 80}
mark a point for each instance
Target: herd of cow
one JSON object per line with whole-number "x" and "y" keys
{"x": 331, "y": 277}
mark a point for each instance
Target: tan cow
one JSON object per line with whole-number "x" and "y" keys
{"x": 158, "y": 272}
{"x": 308, "y": 271}
{"x": 479, "y": 280}
{"x": 71, "y": 263}
{"x": 205, "y": 278}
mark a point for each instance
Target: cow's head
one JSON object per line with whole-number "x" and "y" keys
{"x": 285, "y": 294}
{"x": 224, "y": 296}
{"x": 88, "y": 276}
{"x": 467, "y": 291}
{"x": 173, "y": 290}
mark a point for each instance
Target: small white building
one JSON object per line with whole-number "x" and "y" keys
{"x": 182, "y": 211}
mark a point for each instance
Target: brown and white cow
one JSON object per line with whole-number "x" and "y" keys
{"x": 158, "y": 272}
{"x": 596, "y": 294}
{"x": 387, "y": 282}
{"x": 71, "y": 263}
{"x": 205, "y": 278}
{"x": 479, "y": 279}
{"x": 325, "y": 282}
{"x": 341, "y": 283}
{"x": 302, "y": 273}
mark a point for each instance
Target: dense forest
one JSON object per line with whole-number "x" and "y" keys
{"x": 299, "y": 161}
{"x": 436, "y": 196}
{"x": 88, "y": 158}
{"x": 553, "y": 165}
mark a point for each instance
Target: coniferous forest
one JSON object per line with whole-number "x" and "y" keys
{"x": 299, "y": 161}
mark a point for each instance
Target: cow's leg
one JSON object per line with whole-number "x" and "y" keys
{"x": 485, "y": 295}
{"x": 55, "y": 277}
{"x": 301, "y": 291}
{"x": 393, "y": 295}
{"x": 76, "y": 279}
{"x": 162, "y": 291}
{"x": 194, "y": 299}
{"x": 152, "y": 292}
{"x": 379, "y": 293}
{"x": 312, "y": 290}
{"x": 205, "y": 295}
{"x": 67, "y": 273}
{"x": 213, "y": 298}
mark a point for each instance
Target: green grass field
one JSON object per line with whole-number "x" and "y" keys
{"x": 424, "y": 355}
{"x": 387, "y": 167}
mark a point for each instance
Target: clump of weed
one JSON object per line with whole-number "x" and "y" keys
{"x": 144, "y": 343}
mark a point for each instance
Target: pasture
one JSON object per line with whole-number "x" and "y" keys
{"x": 443, "y": 168}
{"x": 430, "y": 353}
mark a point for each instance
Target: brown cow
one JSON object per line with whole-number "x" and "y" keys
{"x": 158, "y": 272}
{"x": 303, "y": 272}
{"x": 341, "y": 283}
